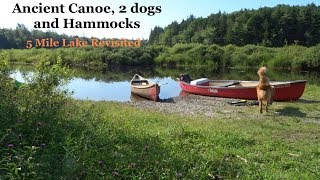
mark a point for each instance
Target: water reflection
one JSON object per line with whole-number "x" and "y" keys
{"x": 94, "y": 89}
{"x": 136, "y": 98}
{"x": 113, "y": 83}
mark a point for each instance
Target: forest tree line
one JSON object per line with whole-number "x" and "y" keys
{"x": 239, "y": 39}
{"x": 17, "y": 38}
{"x": 267, "y": 26}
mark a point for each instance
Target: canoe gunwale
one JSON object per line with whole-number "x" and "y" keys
{"x": 143, "y": 86}
{"x": 244, "y": 87}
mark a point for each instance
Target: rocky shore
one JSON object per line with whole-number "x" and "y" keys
{"x": 191, "y": 105}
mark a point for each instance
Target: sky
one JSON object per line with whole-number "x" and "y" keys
{"x": 171, "y": 10}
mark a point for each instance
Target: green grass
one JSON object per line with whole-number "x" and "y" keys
{"x": 112, "y": 139}
{"x": 135, "y": 143}
{"x": 43, "y": 134}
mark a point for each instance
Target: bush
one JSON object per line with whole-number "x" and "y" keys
{"x": 31, "y": 122}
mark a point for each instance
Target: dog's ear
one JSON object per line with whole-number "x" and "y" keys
{"x": 262, "y": 70}
{"x": 181, "y": 77}
{"x": 265, "y": 69}
{"x": 259, "y": 71}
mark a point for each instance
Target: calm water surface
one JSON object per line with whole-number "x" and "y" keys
{"x": 113, "y": 84}
{"x": 117, "y": 91}
{"x": 92, "y": 88}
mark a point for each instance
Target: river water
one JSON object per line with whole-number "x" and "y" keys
{"x": 113, "y": 84}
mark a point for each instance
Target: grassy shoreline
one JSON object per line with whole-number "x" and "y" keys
{"x": 211, "y": 56}
{"x": 274, "y": 146}
{"x": 112, "y": 139}
{"x": 56, "y": 137}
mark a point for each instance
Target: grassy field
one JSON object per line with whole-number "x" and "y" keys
{"x": 55, "y": 137}
{"x": 131, "y": 143}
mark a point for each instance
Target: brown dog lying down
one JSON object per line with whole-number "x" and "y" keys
{"x": 264, "y": 90}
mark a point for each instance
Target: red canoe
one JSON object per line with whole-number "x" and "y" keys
{"x": 284, "y": 90}
{"x": 144, "y": 88}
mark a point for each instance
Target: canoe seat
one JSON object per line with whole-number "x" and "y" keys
{"x": 201, "y": 81}
{"x": 144, "y": 82}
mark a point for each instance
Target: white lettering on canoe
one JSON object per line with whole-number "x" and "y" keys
{"x": 212, "y": 90}
{"x": 283, "y": 86}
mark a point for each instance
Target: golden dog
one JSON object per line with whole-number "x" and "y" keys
{"x": 264, "y": 89}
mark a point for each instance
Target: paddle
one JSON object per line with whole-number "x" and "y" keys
{"x": 234, "y": 83}
{"x": 162, "y": 84}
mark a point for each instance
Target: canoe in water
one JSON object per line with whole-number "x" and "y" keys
{"x": 144, "y": 88}
{"x": 284, "y": 90}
